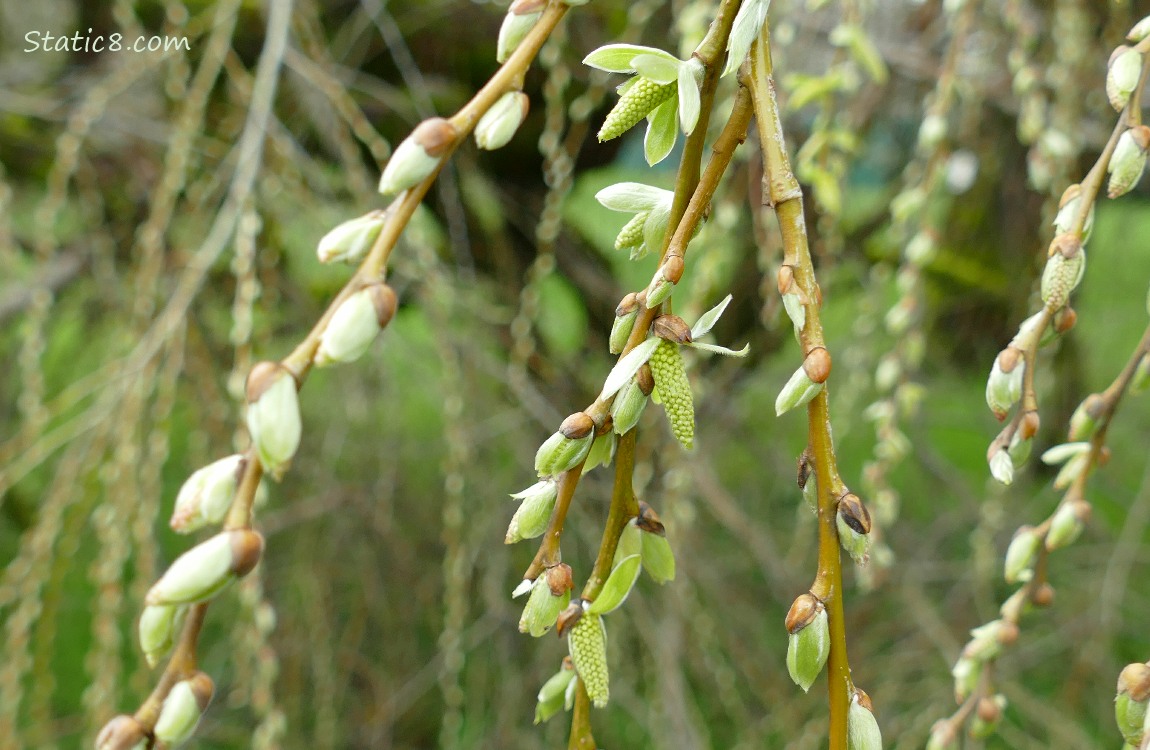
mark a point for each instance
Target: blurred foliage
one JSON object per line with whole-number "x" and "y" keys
{"x": 337, "y": 642}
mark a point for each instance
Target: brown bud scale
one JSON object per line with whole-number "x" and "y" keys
{"x": 568, "y": 617}
{"x": 817, "y": 364}
{"x": 671, "y": 328}
{"x": 560, "y": 579}
{"x": 803, "y": 612}
{"x": 435, "y": 136}
{"x": 578, "y": 425}
{"x": 247, "y": 548}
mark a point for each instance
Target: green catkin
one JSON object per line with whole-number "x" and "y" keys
{"x": 588, "y": 645}
{"x": 670, "y": 376}
{"x": 631, "y": 235}
{"x": 635, "y": 104}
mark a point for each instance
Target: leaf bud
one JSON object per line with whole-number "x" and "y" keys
{"x": 663, "y": 283}
{"x": 817, "y": 364}
{"x": 1068, "y": 210}
{"x": 182, "y": 709}
{"x": 1131, "y": 702}
{"x": 1001, "y": 466}
{"x": 534, "y": 512}
{"x": 498, "y": 125}
{"x": 625, "y": 315}
{"x": 1140, "y": 31}
{"x": 558, "y": 453}
{"x": 273, "y": 416}
{"x": 1043, "y": 596}
{"x": 1067, "y": 524}
{"x": 931, "y": 132}
{"x": 122, "y": 732}
{"x": 355, "y": 324}
{"x": 1004, "y": 386}
{"x": 577, "y": 425}
{"x": 1028, "y": 425}
{"x": 520, "y": 19}
{"x": 809, "y": 641}
{"x": 206, "y": 495}
{"x": 551, "y": 695}
{"x": 418, "y": 156}
{"x": 1128, "y": 161}
{"x": 965, "y": 673}
{"x": 854, "y": 524}
{"x": 658, "y": 557}
{"x": 798, "y": 391}
{"x": 862, "y": 727}
{"x": 671, "y": 328}
{"x": 550, "y": 595}
{"x": 602, "y": 451}
{"x": 1122, "y": 74}
{"x": 587, "y": 642}
{"x": 159, "y": 628}
{"x": 922, "y": 248}
{"x": 209, "y": 567}
{"x": 1021, "y": 555}
{"x": 628, "y": 405}
{"x": 350, "y": 241}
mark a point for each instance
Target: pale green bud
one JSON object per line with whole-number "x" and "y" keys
{"x": 659, "y": 290}
{"x": 1068, "y": 209}
{"x": 587, "y": 642}
{"x": 1141, "y": 375}
{"x": 809, "y": 642}
{"x": 350, "y": 241}
{"x": 1122, "y": 76}
{"x": 1004, "y": 386}
{"x": 355, "y": 324}
{"x": 630, "y": 402}
{"x": 1084, "y": 421}
{"x": 1064, "y": 269}
{"x": 1128, "y": 161}
{"x": 498, "y": 125}
{"x": 182, "y": 709}
{"x": 670, "y": 376}
{"x": 418, "y": 156}
{"x": 1140, "y": 30}
{"x": 931, "y": 132}
{"x": 942, "y": 736}
{"x": 1131, "y": 701}
{"x": 854, "y": 524}
{"x": 551, "y": 695}
{"x": 206, "y": 569}
{"x": 1021, "y": 555}
{"x": 206, "y": 495}
{"x": 122, "y": 733}
{"x": 550, "y": 595}
{"x": 159, "y": 628}
{"x": 908, "y": 205}
{"x": 798, "y": 391}
{"x": 625, "y": 316}
{"x": 640, "y": 98}
{"x": 1067, "y": 524}
{"x": 567, "y": 447}
{"x": 1019, "y": 449}
{"x": 862, "y": 727}
{"x": 273, "y": 416}
{"x": 520, "y": 19}
{"x": 1002, "y": 467}
{"x": 965, "y": 673}
{"x": 1074, "y": 457}
{"x": 986, "y": 641}
{"x": 534, "y": 512}
{"x": 922, "y": 249}
{"x": 658, "y": 557}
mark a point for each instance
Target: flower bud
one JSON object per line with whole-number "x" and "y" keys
{"x": 853, "y": 523}
{"x": 206, "y": 495}
{"x": 628, "y": 406}
{"x": 549, "y": 596}
{"x": 498, "y": 125}
{"x": 122, "y": 733}
{"x": 965, "y": 673}
{"x": 182, "y": 709}
{"x": 534, "y": 512}
{"x": 558, "y": 453}
{"x": 1084, "y": 421}
{"x": 350, "y": 241}
{"x": 1140, "y": 31}
{"x": 1122, "y": 76}
{"x": 809, "y": 642}
{"x": 355, "y": 324}
{"x": 587, "y": 642}
{"x": 1021, "y": 555}
{"x": 602, "y": 451}
{"x": 1068, "y": 209}
{"x": 638, "y": 100}
{"x": 551, "y": 695}
{"x": 798, "y": 391}
{"x": 862, "y": 727}
{"x": 1067, "y": 524}
{"x": 273, "y": 416}
{"x": 1131, "y": 701}
{"x": 1128, "y": 161}
{"x": 1004, "y": 386}
{"x": 625, "y": 315}
{"x": 670, "y": 376}
{"x": 206, "y": 569}
{"x": 1064, "y": 269}
{"x": 663, "y": 283}
{"x": 159, "y": 628}
{"x": 520, "y": 19}
{"x": 633, "y": 235}
{"x": 418, "y": 156}
{"x": 1002, "y": 466}
{"x": 987, "y": 716}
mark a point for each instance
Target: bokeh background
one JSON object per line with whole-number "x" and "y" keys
{"x": 158, "y": 223}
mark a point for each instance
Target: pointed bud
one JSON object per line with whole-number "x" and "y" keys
{"x": 793, "y": 298}
{"x": 520, "y": 19}
{"x": 663, "y": 283}
{"x": 160, "y": 626}
{"x": 862, "y": 727}
{"x": 658, "y": 557}
{"x": 798, "y": 391}
{"x": 355, "y": 324}
{"x": 552, "y": 693}
{"x": 1084, "y": 421}
{"x": 534, "y": 512}
{"x": 1122, "y": 76}
{"x": 182, "y": 709}
{"x": 498, "y": 125}
{"x": 559, "y": 453}
{"x": 809, "y": 643}
{"x": 1131, "y": 702}
{"x": 628, "y": 406}
{"x": 549, "y": 596}
{"x": 1004, "y": 386}
{"x": 1128, "y": 161}
{"x": 1021, "y": 555}
{"x": 350, "y": 241}
{"x": 273, "y": 416}
{"x": 206, "y": 569}
{"x": 853, "y": 523}
{"x": 1067, "y": 524}
{"x": 670, "y": 376}
{"x": 625, "y": 315}
{"x": 987, "y": 716}
{"x": 122, "y": 733}
{"x": 587, "y": 642}
{"x": 418, "y": 156}
{"x": 206, "y": 495}
{"x": 640, "y": 98}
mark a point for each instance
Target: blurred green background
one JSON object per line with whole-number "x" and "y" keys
{"x": 141, "y": 274}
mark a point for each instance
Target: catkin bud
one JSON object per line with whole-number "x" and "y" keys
{"x": 1021, "y": 555}
{"x": 418, "y": 156}
{"x": 350, "y": 241}
{"x": 273, "y": 416}
{"x": 355, "y": 324}
{"x": 206, "y": 569}
{"x": 853, "y": 523}
{"x": 206, "y": 495}
{"x": 640, "y": 98}
{"x": 809, "y": 642}
{"x": 122, "y": 733}
{"x": 1122, "y": 76}
{"x": 587, "y": 642}
{"x": 1128, "y": 161}
{"x": 159, "y": 628}
{"x": 498, "y": 125}
{"x": 670, "y": 375}
{"x": 862, "y": 727}
{"x": 633, "y": 236}
{"x": 182, "y": 709}
{"x": 965, "y": 673}
{"x": 520, "y": 19}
